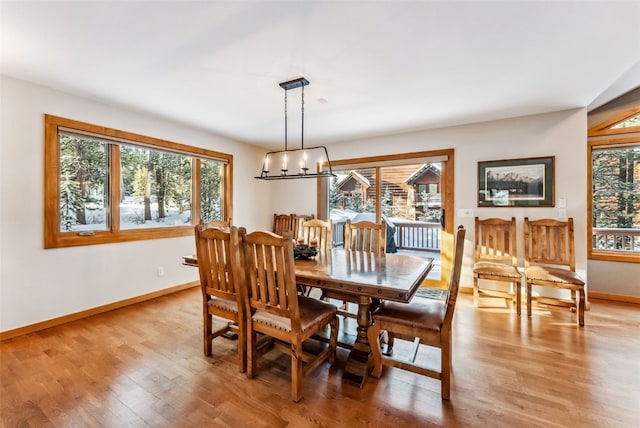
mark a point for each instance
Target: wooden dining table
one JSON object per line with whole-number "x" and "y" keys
{"x": 364, "y": 278}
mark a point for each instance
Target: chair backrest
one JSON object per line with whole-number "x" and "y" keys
{"x": 549, "y": 242}
{"x": 454, "y": 280}
{"x": 283, "y": 223}
{"x": 300, "y": 220}
{"x": 216, "y": 223}
{"x": 495, "y": 240}
{"x": 218, "y": 251}
{"x": 317, "y": 230}
{"x": 365, "y": 236}
{"x": 269, "y": 275}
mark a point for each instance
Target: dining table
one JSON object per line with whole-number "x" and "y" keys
{"x": 365, "y": 278}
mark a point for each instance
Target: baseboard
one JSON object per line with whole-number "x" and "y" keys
{"x": 591, "y": 295}
{"x": 10, "y": 334}
{"x": 614, "y": 297}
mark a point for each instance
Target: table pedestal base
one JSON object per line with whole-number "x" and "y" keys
{"x": 358, "y": 364}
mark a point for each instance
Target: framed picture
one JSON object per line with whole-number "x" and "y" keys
{"x": 524, "y": 182}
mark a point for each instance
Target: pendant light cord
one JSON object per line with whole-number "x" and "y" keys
{"x": 285, "y": 120}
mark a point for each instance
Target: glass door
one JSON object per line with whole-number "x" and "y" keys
{"x": 412, "y": 195}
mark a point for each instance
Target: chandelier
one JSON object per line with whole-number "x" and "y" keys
{"x": 305, "y": 162}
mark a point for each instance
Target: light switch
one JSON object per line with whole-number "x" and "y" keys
{"x": 562, "y": 203}
{"x": 562, "y": 213}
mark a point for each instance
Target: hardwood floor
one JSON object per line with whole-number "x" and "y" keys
{"x": 143, "y": 366}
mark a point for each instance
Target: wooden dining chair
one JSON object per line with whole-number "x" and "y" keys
{"x": 423, "y": 321}
{"x": 496, "y": 258}
{"x": 365, "y": 236}
{"x": 218, "y": 255}
{"x": 317, "y": 231}
{"x": 276, "y": 309}
{"x": 549, "y": 257}
{"x": 300, "y": 220}
{"x": 285, "y": 223}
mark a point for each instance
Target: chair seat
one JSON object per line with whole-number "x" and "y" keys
{"x": 223, "y": 304}
{"x": 551, "y": 274}
{"x": 496, "y": 269}
{"x": 425, "y": 314}
{"x": 312, "y": 311}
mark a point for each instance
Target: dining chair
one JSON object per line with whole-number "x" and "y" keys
{"x": 365, "y": 236}
{"x": 275, "y": 309}
{"x": 300, "y": 220}
{"x": 423, "y": 321}
{"x": 549, "y": 257}
{"x": 218, "y": 254}
{"x": 496, "y": 259}
{"x": 285, "y": 223}
{"x": 317, "y": 231}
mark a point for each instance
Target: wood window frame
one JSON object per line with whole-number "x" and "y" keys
{"x": 54, "y": 238}
{"x": 599, "y": 137}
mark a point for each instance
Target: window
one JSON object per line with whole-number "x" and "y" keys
{"x": 614, "y": 205}
{"x": 103, "y": 185}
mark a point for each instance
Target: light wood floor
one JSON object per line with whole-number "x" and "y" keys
{"x": 143, "y": 366}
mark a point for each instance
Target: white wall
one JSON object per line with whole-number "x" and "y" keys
{"x": 560, "y": 134}
{"x": 38, "y": 284}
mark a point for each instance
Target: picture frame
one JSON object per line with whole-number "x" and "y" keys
{"x": 526, "y": 182}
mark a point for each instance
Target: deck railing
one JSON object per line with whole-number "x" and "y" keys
{"x": 618, "y": 239}
{"x": 410, "y": 235}
{"x": 420, "y": 236}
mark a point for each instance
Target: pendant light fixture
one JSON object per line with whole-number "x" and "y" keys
{"x": 305, "y": 162}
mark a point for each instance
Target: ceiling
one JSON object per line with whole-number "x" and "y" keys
{"x": 375, "y": 67}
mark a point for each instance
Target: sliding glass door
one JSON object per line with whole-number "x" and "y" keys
{"x": 411, "y": 194}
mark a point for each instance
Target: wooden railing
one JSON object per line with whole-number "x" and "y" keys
{"x": 337, "y": 233}
{"x": 417, "y": 236}
{"x": 617, "y": 239}
{"x": 408, "y": 235}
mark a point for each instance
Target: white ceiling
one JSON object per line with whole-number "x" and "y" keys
{"x": 379, "y": 66}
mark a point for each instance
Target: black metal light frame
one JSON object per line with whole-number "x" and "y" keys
{"x": 283, "y": 156}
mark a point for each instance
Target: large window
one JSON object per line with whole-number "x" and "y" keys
{"x": 104, "y": 185}
{"x": 614, "y": 165}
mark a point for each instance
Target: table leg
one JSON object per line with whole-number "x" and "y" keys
{"x": 359, "y": 364}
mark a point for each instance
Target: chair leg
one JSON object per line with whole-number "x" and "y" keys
{"x": 296, "y": 372}
{"x": 445, "y": 369}
{"x": 252, "y": 354}
{"x": 242, "y": 347}
{"x": 207, "y": 330}
{"x": 373, "y": 334}
{"x": 518, "y": 297}
{"x": 581, "y": 305}
{"x": 476, "y": 291}
{"x": 333, "y": 339}
{"x": 528, "y": 299}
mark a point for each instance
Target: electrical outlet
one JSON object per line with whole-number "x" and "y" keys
{"x": 562, "y": 213}
{"x": 465, "y": 212}
{"x": 160, "y": 271}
